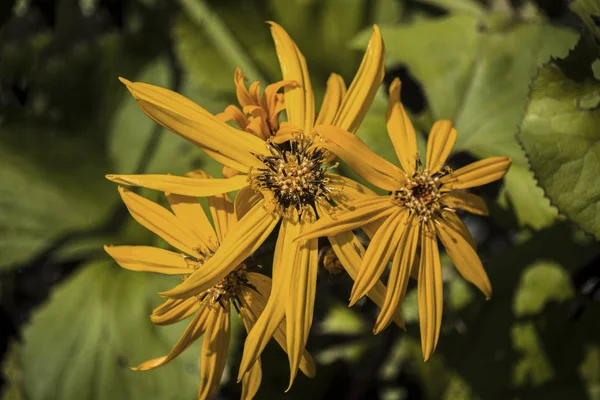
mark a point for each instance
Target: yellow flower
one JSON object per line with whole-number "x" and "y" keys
{"x": 189, "y": 231}
{"x": 285, "y": 182}
{"x": 421, "y": 205}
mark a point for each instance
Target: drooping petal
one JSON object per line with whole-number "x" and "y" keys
{"x": 194, "y": 330}
{"x": 190, "y": 213}
{"x": 174, "y": 310}
{"x": 243, "y": 240}
{"x": 301, "y": 298}
{"x": 158, "y": 220}
{"x": 439, "y": 144}
{"x": 366, "y": 211}
{"x": 465, "y": 201}
{"x": 300, "y": 100}
{"x": 476, "y": 174}
{"x": 430, "y": 293}
{"x": 149, "y": 259}
{"x": 402, "y": 263}
{"x": 182, "y": 185}
{"x": 215, "y": 348}
{"x": 360, "y": 158}
{"x": 251, "y": 381}
{"x": 364, "y": 86}
{"x": 378, "y": 254}
{"x": 245, "y": 200}
{"x": 464, "y": 257}
{"x": 454, "y": 222}
{"x": 400, "y": 130}
{"x": 190, "y": 121}
{"x": 221, "y": 208}
{"x": 336, "y": 89}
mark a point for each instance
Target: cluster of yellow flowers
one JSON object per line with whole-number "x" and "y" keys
{"x": 283, "y": 172}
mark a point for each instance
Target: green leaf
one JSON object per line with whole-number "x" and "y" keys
{"x": 560, "y": 135}
{"x": 589, "y": 12}
{"x": 479, "y": 78}
{"x": 95, "y": 326}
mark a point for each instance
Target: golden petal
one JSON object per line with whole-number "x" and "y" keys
{"x": 439, "y": 144}
{"x": 241, "y": 92}
{"x": 336, "y": 89}
{"x": 454, "y": 222}
{"x": 149, "y": 259}
{"x": 182, "y": 185}
{"x": 299, "y": 101}
{"x": 397, "y": 283}
{"x": 465, "y": 201}
{"x": 401, "y": 131}
{"x": 190, "y": 121}
{"x": 464, "y": 257}
{"x": 364, "y": 86}
{"x": 160, "y": 221}
{"x": 251, "y": 381}
{"x": 214, "y": 352}
{"x": 233, "y": 113}
{"x": 360, "y": 158}
{"x": 430, "y": 293}
{"x": 190, "y": 213}
{"x": 476, "y": 174}
{"x": 221, "y": 208}
{"x": 245, "y": 199}
{"x": 179, "y": 310}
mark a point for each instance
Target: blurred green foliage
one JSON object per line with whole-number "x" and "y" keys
{"x": 66, "y": 121}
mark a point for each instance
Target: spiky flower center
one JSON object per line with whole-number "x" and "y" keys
{"x": 228, "y": 290}
{"x": 295, "y": 174}
{"x": 421, "y": 194}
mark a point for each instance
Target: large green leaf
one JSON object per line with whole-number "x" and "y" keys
{"x": 560, "y": 135}
{"x": 478, "y": 77}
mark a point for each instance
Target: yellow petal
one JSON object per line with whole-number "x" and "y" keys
{"x": 194, "y": 330}
{"x": 274, "y": 311}
{"x": 366, "y": 211}
{"x": 364, "y": 86}
{"x": 301, "y": 298}
{"x": 175, "y": 310}
{"x": 439, "y": 144}
{"x": 190, "y": 213}
{"x": 221, "y": 208}
{"x": 299, "y": 101}
{"x": 476, "y": 174}
{"x": 247, "y": 235}
{"x": 149, "y": 259}
{"x": 190, "y": 121}
{"x": 378, "y": 254}
{"x": 360, "y": 158}
{"x": 251, "y": 381}
{"x": 158, "y": 220}
{"x": 182, "y": 185}
{"x": 214, "y": 352}
{"x": 465, "y": 201}
{"x": 245, "y": 200}
{"x": 454, "y": 222}
{"x": 400, "y": 269}
{"x": 401, "y": 131}
{"x": 233, "y": 113}
{"x": 464, "y": 257}
{"x": 336, "y": 89}
{"x": 241, "y": 92}
{"x": 430, "y": 293}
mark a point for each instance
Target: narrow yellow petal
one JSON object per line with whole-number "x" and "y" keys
{"x": 246, "y": 236}
{"x": 179, "y": 310}
{"x": 221, "y": 208}
{"x": 251, "y": 381}
{"x": 401, "y": 131}
{"x": 301, "y": 298}
{"x": 190, "y": 121}
{"x": 215, "y": 348}
{"x": 439, "y": 144}
{"x": 454, "y": 222}
{"x": 402, "y": 263}
{"x": 190, "y": 213}
{"x": 182, "y": 185}
{"x": 336, "y": 89}
{"x": 476, "y": 174}
{"x": 465, "y": 201}
{"x": 364, "y": 86}
{"x": 245, "y": 199}
{"x": 360, "y": 158}
{"x": 299, "y": 101}
{"x": 149, "y": 259}
{"x": 160, "y": 221}
{"x": 366, "y": 211}
{"x": 464, "y": 257}
{"x": 430, "y": 293}
{"x": 378, "y": 254}
{"x": 194, "y": 330}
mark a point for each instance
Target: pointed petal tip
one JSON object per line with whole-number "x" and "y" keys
{"x": 126, "y": 82}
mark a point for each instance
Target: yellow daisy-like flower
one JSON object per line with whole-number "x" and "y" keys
{"x": 280, "y": 182}
{"x": 190, "y": 232}
{"x": 420, "y": 207}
